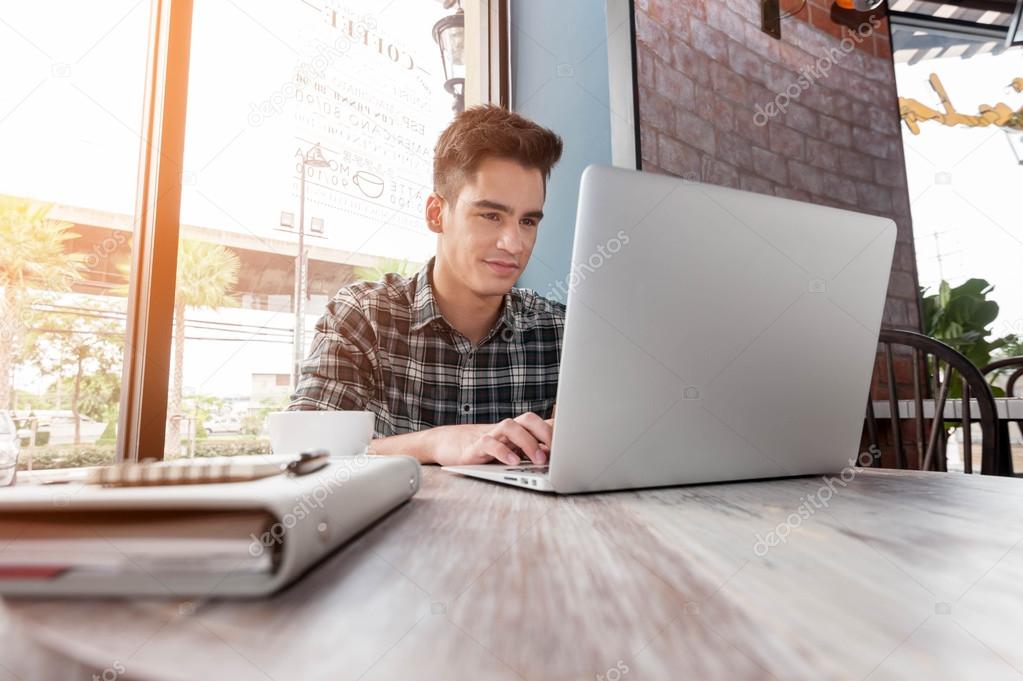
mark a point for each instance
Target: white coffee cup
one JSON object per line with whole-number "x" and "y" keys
{"x": 341, "y": 433}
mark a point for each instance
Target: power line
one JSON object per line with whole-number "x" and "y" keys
{"x": 83, "y": 332}
{"x": 116, "y": 316}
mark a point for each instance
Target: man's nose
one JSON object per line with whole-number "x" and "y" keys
{"x": 510, "y": 241}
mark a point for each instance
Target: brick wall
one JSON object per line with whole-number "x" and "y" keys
{"x": 708, "y": 78}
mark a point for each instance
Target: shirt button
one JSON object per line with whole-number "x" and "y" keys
{"x": 466, "y": 407}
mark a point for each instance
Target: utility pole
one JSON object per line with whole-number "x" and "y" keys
{"x": 312, "y": 159}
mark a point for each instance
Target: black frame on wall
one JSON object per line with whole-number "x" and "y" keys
{"x": 623, "y": 84}
{"x": 635, "y": 82}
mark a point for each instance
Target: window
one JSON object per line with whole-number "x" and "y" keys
{"x": 316, "y": 128}
{"x": 70, "y": 130}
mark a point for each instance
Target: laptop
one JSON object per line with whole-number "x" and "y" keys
{"x": 711, "y": 335}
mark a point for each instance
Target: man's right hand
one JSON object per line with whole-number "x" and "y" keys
{"x": 526, "y": 436}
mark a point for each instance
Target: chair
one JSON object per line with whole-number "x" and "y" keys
{"x": 1016, "y": 364}
{"x": 929, "y": 379}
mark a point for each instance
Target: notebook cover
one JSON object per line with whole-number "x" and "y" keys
{"x": 316, "y": 514}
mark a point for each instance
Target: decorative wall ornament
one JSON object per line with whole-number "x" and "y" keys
{"x": 1000, "y": 115}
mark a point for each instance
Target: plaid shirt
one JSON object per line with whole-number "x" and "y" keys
{"x": 384, "y": 347}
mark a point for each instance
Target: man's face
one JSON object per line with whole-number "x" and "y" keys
{"x": 487, "y": 233}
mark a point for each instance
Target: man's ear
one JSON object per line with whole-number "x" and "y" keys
{"x": 435, "y": 206}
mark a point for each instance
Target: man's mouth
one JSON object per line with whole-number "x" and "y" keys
{"x": 503, "y": 267}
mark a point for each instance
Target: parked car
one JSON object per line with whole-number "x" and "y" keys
{"x": 60, "y": 426}
{"x": 9, "y": 447}
{"x": 223, "y": 424}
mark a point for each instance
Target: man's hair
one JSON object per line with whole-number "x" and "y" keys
{"x": 488, "y": 131}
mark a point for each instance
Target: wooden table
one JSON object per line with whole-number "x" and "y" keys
{"x": 897, "y": 575}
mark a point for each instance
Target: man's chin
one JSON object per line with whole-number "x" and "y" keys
{"x": 494, "y": 286}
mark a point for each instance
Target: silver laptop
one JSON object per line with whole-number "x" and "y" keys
{"x": 711, "y": 334}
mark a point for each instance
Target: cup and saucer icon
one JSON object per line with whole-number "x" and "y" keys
{"x": 369, "y": 184}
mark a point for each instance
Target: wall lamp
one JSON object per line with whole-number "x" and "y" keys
{"x": 771, "y": 14}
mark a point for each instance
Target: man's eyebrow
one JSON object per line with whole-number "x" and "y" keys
{"x": 494, "y": 205}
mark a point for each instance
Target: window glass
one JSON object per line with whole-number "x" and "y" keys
{"x": 71, "y": 95}
{"x": 319, "y": 120}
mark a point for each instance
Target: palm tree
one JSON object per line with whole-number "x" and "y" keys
{"x": 205, "y": 275}
{"x": 33, "y": 260}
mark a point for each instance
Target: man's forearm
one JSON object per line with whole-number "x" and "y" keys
{"x": 411, "y": 444}
{"x": 443, "y": 444}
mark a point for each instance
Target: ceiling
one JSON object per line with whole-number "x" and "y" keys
{"x": 926, "y": 29}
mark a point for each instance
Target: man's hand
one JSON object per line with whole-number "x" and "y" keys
{"x": 527, "y": 436}
{"x": 509, "y": 441}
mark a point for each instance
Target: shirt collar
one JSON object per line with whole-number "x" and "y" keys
{"x": 425, "y": 308}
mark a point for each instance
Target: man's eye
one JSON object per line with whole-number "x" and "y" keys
{"x": 489, "y": 216}
{"x": 529, "y": 222}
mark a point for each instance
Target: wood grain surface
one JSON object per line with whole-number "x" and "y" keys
{"x": 879, "y": 575}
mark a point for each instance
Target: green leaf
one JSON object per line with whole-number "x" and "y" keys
{"x": 961, "y": 316}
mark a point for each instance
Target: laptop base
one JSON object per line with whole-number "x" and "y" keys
{"x": 531, "y": 477}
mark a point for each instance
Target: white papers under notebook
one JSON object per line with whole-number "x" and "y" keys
{"x": 159, "y": 543}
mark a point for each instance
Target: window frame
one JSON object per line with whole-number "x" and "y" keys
{"x": 488, "y": 61}
{"x": 147, "y": 353}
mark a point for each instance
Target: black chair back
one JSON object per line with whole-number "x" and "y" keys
{"x": 935, "y": 367}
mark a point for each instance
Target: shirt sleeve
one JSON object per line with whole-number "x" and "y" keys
{"x": 339, "y": 373}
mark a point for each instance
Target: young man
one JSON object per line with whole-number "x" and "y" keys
{"x": 458, "y": 365}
